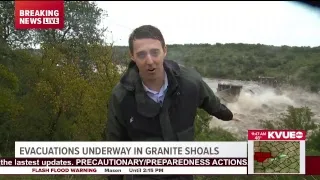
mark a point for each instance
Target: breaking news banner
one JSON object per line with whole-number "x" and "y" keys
{"x": 109, "y": 158}
{"x": 39, "y": 14}
{"x": 276, "y": 151}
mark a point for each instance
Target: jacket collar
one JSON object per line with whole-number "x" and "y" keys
{"x": 132, "y": 82}
{"x": 131, "y": 78}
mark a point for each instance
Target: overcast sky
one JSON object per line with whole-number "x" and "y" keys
{"x": 271, "y": 23}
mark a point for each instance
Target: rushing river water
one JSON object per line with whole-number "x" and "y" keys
{"x": 262, "y": 104}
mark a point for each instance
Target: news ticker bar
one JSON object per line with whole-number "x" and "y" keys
{"x": 156, "y": 170}
{"x": 110, "y": 166}
{"x": 106, "y": 162}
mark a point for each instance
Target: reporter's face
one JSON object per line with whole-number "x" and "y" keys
{"x": 149, "y": 55}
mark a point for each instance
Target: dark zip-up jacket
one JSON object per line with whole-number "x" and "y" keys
{"x": 133, "y": 116}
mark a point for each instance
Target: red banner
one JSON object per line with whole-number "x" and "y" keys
{"x": 274, "y": 135}
{"x": 39, "y": 14}
{"x": 312, "y": 165}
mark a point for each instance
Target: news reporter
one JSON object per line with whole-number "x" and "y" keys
{"x": 157, "y": 99}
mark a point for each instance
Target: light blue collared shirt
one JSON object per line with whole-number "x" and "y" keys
{"x": 158, "y": 96}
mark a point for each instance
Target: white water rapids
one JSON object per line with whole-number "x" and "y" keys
{"x": 263, "y": 104}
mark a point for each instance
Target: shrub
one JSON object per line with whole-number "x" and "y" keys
{"x": 203, "y": 132}
{"x": 294, "y": 118}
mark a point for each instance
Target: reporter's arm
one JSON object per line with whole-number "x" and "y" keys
{"x": 211, "y": 103}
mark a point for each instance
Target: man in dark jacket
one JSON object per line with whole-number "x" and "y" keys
{"x": 157, "y": 99}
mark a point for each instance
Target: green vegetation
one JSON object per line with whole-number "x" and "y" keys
{"x": 298, "y": 66}
{"x": 54, "y": 94}
{"x": 295, "y": 65}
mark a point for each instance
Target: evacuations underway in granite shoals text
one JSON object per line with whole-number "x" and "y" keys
{"x": 119, "y": 151}
{"x": 39, "y": 17}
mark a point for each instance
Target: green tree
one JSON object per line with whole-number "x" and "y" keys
{"x": 9, "y": 106}
{"x": 82, "y": 21}
{"x": 8, "y": 34}
{"x": 63, "y": 88}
